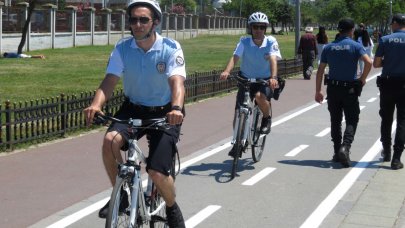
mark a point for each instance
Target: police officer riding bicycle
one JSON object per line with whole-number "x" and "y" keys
{"x": 390, "y": 55}
{"x": 153, "y": 72}
{"x": 259, "y": 54}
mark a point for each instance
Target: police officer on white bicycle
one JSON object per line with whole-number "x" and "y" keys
{"x": 153, "y": 72}
{"x": 259, "y": 55}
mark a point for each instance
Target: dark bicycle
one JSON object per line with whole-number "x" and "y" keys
{"x": 248, "y": 118}
{"x": 130, "y": 205}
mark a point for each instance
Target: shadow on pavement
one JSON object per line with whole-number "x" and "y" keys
{"x": 329, "y": 164}
{"x": 221, "y": 171}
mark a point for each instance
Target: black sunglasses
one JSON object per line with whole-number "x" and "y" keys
{"x": 261, "y": 27}
{"x": 142, "y": 20}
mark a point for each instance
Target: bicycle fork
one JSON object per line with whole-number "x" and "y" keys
{"x": 245, "y": 112}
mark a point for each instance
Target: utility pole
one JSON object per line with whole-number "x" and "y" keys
{"x": 297, "y": 25}
{"x": 390, "y": 15}
{"x": 240, "y": 9}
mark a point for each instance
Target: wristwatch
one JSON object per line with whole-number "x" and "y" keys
{"x": 177, "y": 108}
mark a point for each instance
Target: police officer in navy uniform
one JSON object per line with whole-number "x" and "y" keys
{"x": 343, "y": 88}
{"x": 390, "y": 55}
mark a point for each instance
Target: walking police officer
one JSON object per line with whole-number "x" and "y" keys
{"x": 343, "y": 88}
{"x": 390, "y": 55}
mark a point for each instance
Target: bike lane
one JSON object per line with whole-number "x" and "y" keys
{"x": 40, "y": 181}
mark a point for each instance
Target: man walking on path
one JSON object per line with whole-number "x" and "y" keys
{"x": 308, "y": 49}
{"x": 344, "y": 88}
{"x": 390, "y": 55}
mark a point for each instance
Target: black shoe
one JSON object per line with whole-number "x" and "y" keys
{"x": 175, "y": 217}
{"x": 343, "y": 155}
{"x": 335, "y": 158}
{"x": 103, "y": 212}
{"x": 386, "y": 154}
{"x": 396, "y": 164}
{"x": 232, "y": 152}
{"x": 265, "y": 127}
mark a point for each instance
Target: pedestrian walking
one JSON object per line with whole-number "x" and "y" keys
{"x": 390, "y": 55}
{"x": 343, "y": 87}
{"x": 322, "y": 40}
{"x": 307, "y": 48}
{"x": 368, "y": 44}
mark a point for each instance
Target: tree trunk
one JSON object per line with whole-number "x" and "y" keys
{"x": 25, "y": 28}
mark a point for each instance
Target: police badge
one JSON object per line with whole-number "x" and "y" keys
{"x": 161, "y": 67}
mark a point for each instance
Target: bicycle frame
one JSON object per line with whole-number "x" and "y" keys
{"x": 245, "y": 110}
{"x": 130, "y": 173}
{"x": 135, "y": 158}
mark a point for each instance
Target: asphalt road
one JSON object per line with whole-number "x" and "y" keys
{"x": 62, "y": 183}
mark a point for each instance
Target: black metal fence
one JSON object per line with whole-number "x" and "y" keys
{"x": 40, "y": 120}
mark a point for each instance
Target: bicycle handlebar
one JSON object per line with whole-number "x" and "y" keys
{"x": 158, "y": 123}
{"x": 248, "y": 81}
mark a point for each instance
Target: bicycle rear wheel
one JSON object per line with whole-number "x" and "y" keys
{"x": 159, "y": 219}
{"x": 239, "y": 146}
{"x": 120, "y": 205}
{"x": 258, "y": 140}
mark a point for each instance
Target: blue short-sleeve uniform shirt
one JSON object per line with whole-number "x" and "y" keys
{"x": 255, "y": 59}
{"x": 342, "y": 56}
{"x": 145, "y": 74}
{"x": 392, "y": 48}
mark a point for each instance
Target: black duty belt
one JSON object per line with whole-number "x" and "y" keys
{"x": 341, "y": 83}
{"x": 144, "y": 108}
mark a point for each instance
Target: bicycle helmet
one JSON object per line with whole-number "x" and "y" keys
{"x": 154, "y": 5}
{"x": 258, "y": 17}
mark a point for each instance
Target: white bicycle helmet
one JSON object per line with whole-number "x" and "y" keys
{"x": 258, "y": 17}
{"x": 152, "y": 3}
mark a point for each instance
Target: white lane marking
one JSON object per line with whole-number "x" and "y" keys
{"x": 77, "y": 216}
{"x": 372, "y": 99}
{"x": 296, "y": 150}
{"x": 205, "y": 155}
{"x": 362, "y": 107}
{"x": 320, "y": 213}
{"x": 80, "y": 214}
{"x": 323, "y": 133}
{"x": 200, "y": 216}
{"x": 256, "y": 178}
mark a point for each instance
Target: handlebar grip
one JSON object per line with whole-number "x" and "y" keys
{"x": 99, "y": 119}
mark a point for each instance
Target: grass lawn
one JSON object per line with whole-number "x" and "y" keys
{"x": 81, "y": 69}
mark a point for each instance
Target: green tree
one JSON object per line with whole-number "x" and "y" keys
{"x": 333, "y": 10}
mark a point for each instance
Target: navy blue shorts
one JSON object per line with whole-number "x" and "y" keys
{"x": 264, "y": 89}
{"x": 162, "y": 144}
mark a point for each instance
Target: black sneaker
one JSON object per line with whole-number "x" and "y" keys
{"x": 386, "y": 154}
{"x": 343, "y": 155}
{"x": 396, "y": 164}
{"x": 103, "y": 212}
{"x": 232, "y": 152}
{"x": 265, "y": 127}
{"x": 175, "y": 217}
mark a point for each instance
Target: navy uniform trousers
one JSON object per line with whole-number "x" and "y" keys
{"x": 393, "y": 95}
{"x": 342, "y": 100}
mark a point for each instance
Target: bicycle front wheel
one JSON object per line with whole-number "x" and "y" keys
{"x": 258, "y": 140}
{"x": 120, "y": 205}
{"x": 239, "y": 146}
{"x": 157, "y": 209}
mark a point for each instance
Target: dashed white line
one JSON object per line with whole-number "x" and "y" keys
{"x": 200, "y": 216}
{"x": 362, "y": 107}
{"x": 372, "y": 99}
{"x": 323, "y": 133}
{"x": 256, "y": 178}
{"x": 80, "y": 214}
{"x": 296, "y": 150}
